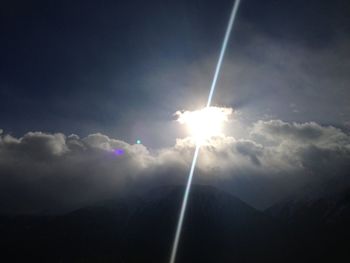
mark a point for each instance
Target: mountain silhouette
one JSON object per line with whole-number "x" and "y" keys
{"x": 218, "y": 227}
{"x": 317, "y": 228}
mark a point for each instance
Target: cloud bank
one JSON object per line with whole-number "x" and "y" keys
{"x": 53, "y": 172}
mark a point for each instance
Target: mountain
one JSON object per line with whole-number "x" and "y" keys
{"x": 321, "y": 210}
{"x": 318, "y": 227}
{"x": 218, "y": 227}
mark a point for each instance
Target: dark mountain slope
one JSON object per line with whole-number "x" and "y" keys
{"x": 318, "y": 228}
{"x": 218, "y": 227}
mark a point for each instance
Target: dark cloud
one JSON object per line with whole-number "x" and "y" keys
{"x": 53, "y": 172}
{"x": 251, "y": 149}
{"x": 300, "y": 132}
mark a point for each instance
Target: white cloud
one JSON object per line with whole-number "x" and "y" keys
{"x": 41, "y": 171}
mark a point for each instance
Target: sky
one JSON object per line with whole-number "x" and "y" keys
{"x": 81, "y": 79}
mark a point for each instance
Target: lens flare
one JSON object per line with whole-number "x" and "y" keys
{"x": 118, "y": 151}
{"x": 195, "y": 156}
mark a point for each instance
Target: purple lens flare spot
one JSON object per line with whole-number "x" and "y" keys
{"x": 118, "y": 151}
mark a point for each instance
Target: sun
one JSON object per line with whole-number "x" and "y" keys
{"x": 205, "y": 123}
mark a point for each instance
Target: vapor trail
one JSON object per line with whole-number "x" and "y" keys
{"x": 196, "y": 152}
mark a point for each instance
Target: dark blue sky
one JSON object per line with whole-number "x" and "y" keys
{"x": 113, "y": 67}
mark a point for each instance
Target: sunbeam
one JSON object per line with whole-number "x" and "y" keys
{"x": 195, "y": 156}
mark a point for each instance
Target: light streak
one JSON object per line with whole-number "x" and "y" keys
{"x": 183, "y": 206}
{"x": 223, "y": 50}
{"x": 196, "y": 152}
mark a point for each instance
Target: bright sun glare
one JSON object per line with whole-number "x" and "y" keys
{"x": 205, "y": 123}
